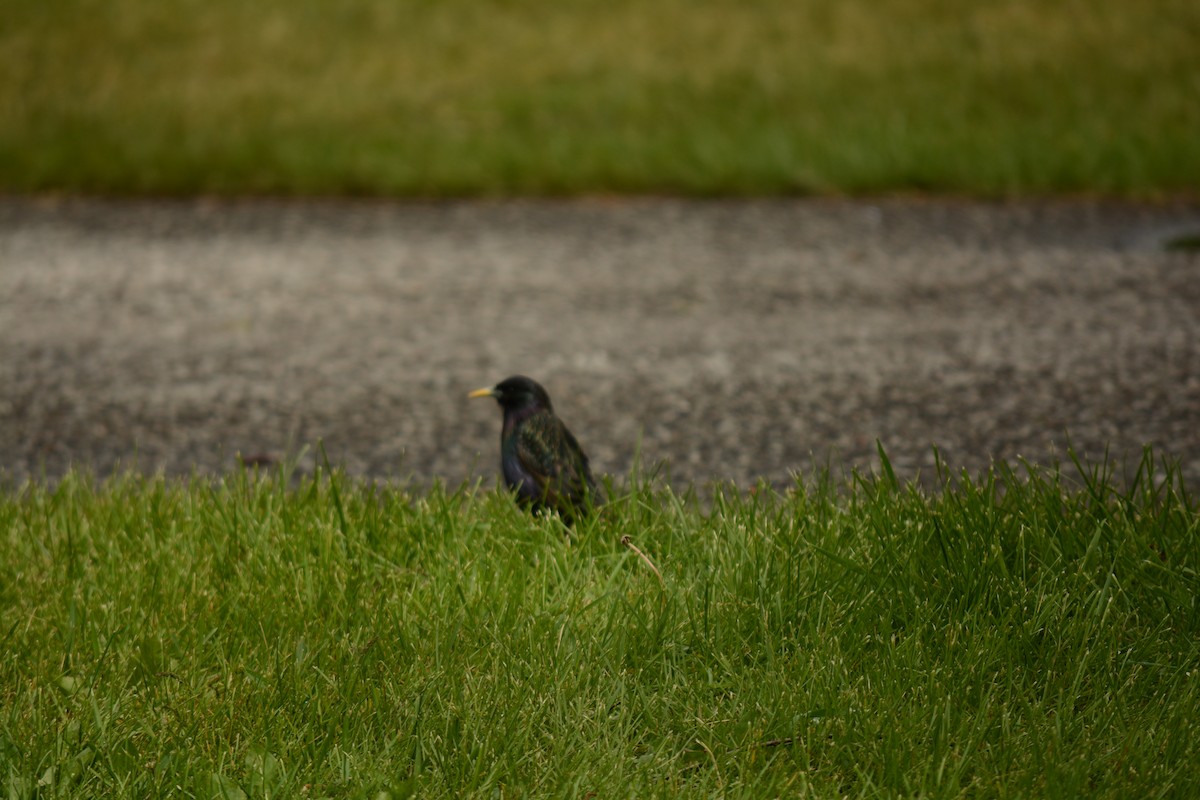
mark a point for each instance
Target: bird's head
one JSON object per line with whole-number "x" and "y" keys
{"x": 517, "y": 393}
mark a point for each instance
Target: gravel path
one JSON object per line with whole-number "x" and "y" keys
{"x": 733, "y": 339}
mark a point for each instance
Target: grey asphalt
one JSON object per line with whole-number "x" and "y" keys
{"x": 731, "y": 340}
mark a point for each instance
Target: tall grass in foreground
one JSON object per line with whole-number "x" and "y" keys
{"x": 1008, "y": 635}
{"x": 453, "y": 97}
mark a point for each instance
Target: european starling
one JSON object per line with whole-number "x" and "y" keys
{"x": 539, "y": 457}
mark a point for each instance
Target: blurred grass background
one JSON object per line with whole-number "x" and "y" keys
{"x": 495, "y": 97}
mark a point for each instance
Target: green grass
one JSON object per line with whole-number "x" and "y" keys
{"x": 1010, "y": 635}
{"x": 413, "y": 97}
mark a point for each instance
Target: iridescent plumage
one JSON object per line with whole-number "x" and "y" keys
{"x": 540, "y": 459}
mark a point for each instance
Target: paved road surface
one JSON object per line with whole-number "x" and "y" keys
{"x": 733, "y": 339}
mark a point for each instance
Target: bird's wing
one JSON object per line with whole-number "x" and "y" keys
{"x": 552, "y": 455}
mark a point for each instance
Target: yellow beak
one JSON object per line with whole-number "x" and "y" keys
{"x": 481, "y": 393}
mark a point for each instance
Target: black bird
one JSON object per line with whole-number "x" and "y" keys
{"x": 539, "y": 457}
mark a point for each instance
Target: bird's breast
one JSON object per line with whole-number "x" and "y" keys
{"x": 517, "y": 477}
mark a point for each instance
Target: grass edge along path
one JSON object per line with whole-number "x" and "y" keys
{"x": 1031, "y": 631}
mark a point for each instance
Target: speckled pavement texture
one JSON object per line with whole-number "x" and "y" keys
{"x": 730, "y": 339}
